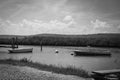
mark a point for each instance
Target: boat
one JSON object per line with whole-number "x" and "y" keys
{"x": 113, "y": 74}
{"x": 15, "y": 49}
{"x": 91, "y": 53}
{"x": 21, "y": 50}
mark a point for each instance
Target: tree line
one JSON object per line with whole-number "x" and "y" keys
{"x": 95, "y": 40}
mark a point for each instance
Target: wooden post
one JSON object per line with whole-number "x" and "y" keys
{"x": 13, "y": 43}
{"x": 41, "y": 45}
{"x": 16, "y": 41}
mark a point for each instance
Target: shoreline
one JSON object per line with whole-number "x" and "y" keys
{"x": 50, "y": 68}
{"x": 10, "y": 72}
{"x": 63, "y": 46}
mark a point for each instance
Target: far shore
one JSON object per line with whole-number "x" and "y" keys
{"x": 91, "y": 40}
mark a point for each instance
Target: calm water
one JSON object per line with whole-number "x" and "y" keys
{"x": 64, "y": 57}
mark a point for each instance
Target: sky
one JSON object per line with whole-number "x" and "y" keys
{"x": 29, "y": 17}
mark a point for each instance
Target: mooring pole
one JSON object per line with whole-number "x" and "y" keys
{"x": 41, "y": 45}
{"x": 13, "y": 43}
{"x": 16, "y": 42}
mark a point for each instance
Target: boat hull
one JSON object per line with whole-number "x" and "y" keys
{"x": 21, "y": 50}
{"x": 87, "y": 53}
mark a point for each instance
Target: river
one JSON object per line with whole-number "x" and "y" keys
{"x": 64, "y": 57}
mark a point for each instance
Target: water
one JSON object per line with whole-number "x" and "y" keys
{"x": 64, "y": 57}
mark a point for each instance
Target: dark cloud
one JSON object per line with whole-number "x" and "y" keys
{"x": 80, "y": 5}
{"x": 18, "y": 1}
{"x": 100, "y": 6}
{"x": 115, "y": 16}
{"x": 108, "y": 6}
{"x": 11, "y": 7}
{"x": 7, "y": 8}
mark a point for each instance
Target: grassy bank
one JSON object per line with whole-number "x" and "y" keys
{"x": 60, "y": 70}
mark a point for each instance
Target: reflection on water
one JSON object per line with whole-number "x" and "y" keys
{"x": 64, "y": 57}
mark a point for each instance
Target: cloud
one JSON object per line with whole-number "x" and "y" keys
{"x": 47, "y": 10}
{"x": 68, "y": 18}
{"x": 100, "y": 24}
{"x": 65, "y": 26}
{"x": 29, "y": 9}
{"x": 70, "y": 21}
{"x": 95, "y": 9}
{"x": 95, "y": 5}
{"x": 28, "y": 27}
{"x": 119, "y": 26}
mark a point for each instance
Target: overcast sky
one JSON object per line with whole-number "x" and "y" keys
{"x": 26, "y": 17}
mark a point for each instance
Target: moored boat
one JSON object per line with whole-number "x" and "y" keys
{"x": 21, "y": 50}
{"x": 91, "y": 53}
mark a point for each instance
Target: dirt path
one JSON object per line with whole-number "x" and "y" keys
{"x": 9, "y": 72}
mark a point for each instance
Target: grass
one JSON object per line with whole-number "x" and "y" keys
{"x": 52, "y": 68}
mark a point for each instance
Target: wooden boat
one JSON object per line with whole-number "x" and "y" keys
{"x": 113, "y": 74}
{"x": 21, "y": 50}
{"x": 91, "y": 53}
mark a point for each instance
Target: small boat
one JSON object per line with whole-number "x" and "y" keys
{"x": 91, "y": 53}
{"x": 21, "y": 50}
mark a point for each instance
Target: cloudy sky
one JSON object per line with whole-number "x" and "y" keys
{"x": 26, "y": 17}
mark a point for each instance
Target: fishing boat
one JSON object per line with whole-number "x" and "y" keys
{"x": 21, "y": 50}
{"x": 91, "y": 53}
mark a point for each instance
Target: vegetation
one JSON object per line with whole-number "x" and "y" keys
{"x": 61, "y": 70}
{"x": 94, "y": 40}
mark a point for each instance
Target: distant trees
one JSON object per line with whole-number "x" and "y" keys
{"x": 67, "y": 40}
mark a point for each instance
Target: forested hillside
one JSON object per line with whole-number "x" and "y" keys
{"x": 94, "y": 40}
